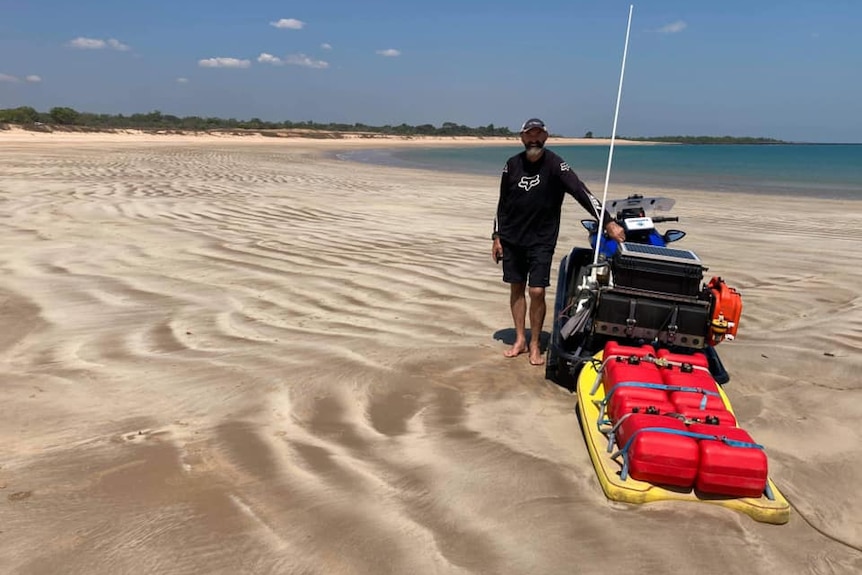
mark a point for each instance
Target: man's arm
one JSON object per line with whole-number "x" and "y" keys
{"x": 578, "y": 190}
{"x": 498, "y": 218}
{"x": 497, "y": 247}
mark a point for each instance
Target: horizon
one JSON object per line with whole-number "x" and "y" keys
{"x": 774, "y": 70}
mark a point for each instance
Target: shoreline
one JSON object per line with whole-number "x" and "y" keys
{"x": 291, "y": 137}
{"x": 393, "y": 157}
{"x": 339, "y": 150}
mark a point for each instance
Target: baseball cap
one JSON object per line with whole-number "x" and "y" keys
{"x": 533, "y": 123}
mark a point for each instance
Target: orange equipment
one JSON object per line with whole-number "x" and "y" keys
{"x": 726, "y": 311}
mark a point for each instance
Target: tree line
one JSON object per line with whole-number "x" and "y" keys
{"x": 65, "y": 117}
{"x": 696, "y": 139}
{"x": 69, "y": 117}
{"x": 706, "y": 140}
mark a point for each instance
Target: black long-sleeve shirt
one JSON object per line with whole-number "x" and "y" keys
{"x": 531, "y": 199}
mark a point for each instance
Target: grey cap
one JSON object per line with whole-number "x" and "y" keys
{"x": 533, "y": 123}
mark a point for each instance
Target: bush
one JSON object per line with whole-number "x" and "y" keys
{"x": 22, "y": 115}
{"x": 64, "y": 116}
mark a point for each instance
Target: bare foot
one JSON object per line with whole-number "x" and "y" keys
{"x": 517, "y": 349}
{"x": 536, "y": 357}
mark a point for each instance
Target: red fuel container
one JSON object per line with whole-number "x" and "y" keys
{"x": 674, "y": 375}
{"x": 727, "y": 469}
{"x": 613, "y": 348}
{"x": 658, "y": 457}
{"x": 715, "y": 417}
{"x": 628, "y": 370}
{"x": 696, "y": 379}
{"x": 696, "y": 358}
{"x": 621, "y": 404}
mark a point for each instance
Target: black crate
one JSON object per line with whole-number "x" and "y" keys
{"x": 627, "y": 316}
{"x": 673, "y": 277}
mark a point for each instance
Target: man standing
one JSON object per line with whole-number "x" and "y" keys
{"x": 532, "y": 188}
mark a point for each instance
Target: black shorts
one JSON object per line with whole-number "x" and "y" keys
{"x": 531, "y": 265}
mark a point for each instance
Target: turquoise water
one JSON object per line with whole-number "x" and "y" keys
{"x": 821, "y": 170}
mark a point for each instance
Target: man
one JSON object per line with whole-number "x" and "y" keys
{"x": 532, "y": 188}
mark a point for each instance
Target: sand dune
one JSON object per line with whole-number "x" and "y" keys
{"x": 235, "y": 356}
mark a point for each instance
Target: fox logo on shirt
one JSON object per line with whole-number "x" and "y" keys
{"x": 527, "y": 183}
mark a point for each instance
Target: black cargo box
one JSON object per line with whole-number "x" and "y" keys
{"x": 624, "y": 315}
{"x": 658, "y": 269}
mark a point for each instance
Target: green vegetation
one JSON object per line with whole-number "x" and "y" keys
{"x": 68, "y": 117}
{"x": 63, "y": 118}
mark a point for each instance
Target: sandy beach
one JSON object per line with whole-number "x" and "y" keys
{"x": 242, "y": 355}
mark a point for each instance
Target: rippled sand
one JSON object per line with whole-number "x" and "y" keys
{"x": 244, "y": 357}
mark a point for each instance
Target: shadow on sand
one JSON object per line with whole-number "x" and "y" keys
{"x": 507, "y": 336}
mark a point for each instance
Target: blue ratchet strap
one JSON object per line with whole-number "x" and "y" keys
{"x": 612, "y": 434}
{"x": 603, "y": 403}
{"x": 702, "y": 391}
{"x": 625, "y": 450}
{"x": 605, "y": 360}
{"x": 603, "y": 420}
{"x": 732, "y": 442}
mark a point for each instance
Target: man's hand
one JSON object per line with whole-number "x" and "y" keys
{"x": 497, "y": 250}
{"x": 615, "y": 231}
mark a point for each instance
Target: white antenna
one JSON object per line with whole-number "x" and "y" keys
{"x": 613, "y": 137}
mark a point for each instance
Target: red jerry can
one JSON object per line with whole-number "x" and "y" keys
{"x": 728, "y": 469}
{"x": 687, "y": 377}
{"x": 613, "y": 348}
{"x": 632, "y": 377}
{"x": 696, "y": 358}
{"x": 709, "y": 416}
{"x": 658, "y": 456}
{"x": 702, "y": 390}
{"x": 700, "y": 398}
{"x": 621, "y": 404}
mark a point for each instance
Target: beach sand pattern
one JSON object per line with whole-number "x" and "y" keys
{"x": 246, "y": 356}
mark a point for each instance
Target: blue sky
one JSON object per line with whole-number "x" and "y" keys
{"x": 789, "y": 70}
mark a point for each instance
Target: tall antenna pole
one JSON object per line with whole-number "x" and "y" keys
{"x": 613, "y": 137}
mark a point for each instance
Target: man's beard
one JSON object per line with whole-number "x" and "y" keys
{"x": 534, "y": 151}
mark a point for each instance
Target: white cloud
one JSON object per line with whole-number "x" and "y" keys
{"x": 673, "y": 27}
{"x": 223, "y": 63}
{"x": 265, "y": 58}
{"x": 182, "y": 80}
{"x": 117, "y": 45}
{"x": 389, "y": 52}
{"x": 305, "y": 61}
{"x": 294, "y": 59}
{"x": 326, "y": 46}
{"x": 33, "y": 79}
{"x": 87, "y": 43}
{"x": 289, "y": 23}
{"x": 98, "y": 44}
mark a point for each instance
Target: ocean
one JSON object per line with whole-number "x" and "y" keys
{"x": 820, "y": 170}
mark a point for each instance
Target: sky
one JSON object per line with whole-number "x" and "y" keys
{"x": 787, "y": 69}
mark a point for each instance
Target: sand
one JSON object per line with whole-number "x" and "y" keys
{"x": 240, "y": 355}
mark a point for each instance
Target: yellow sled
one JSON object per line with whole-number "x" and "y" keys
{"x": 775, "y": 510}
